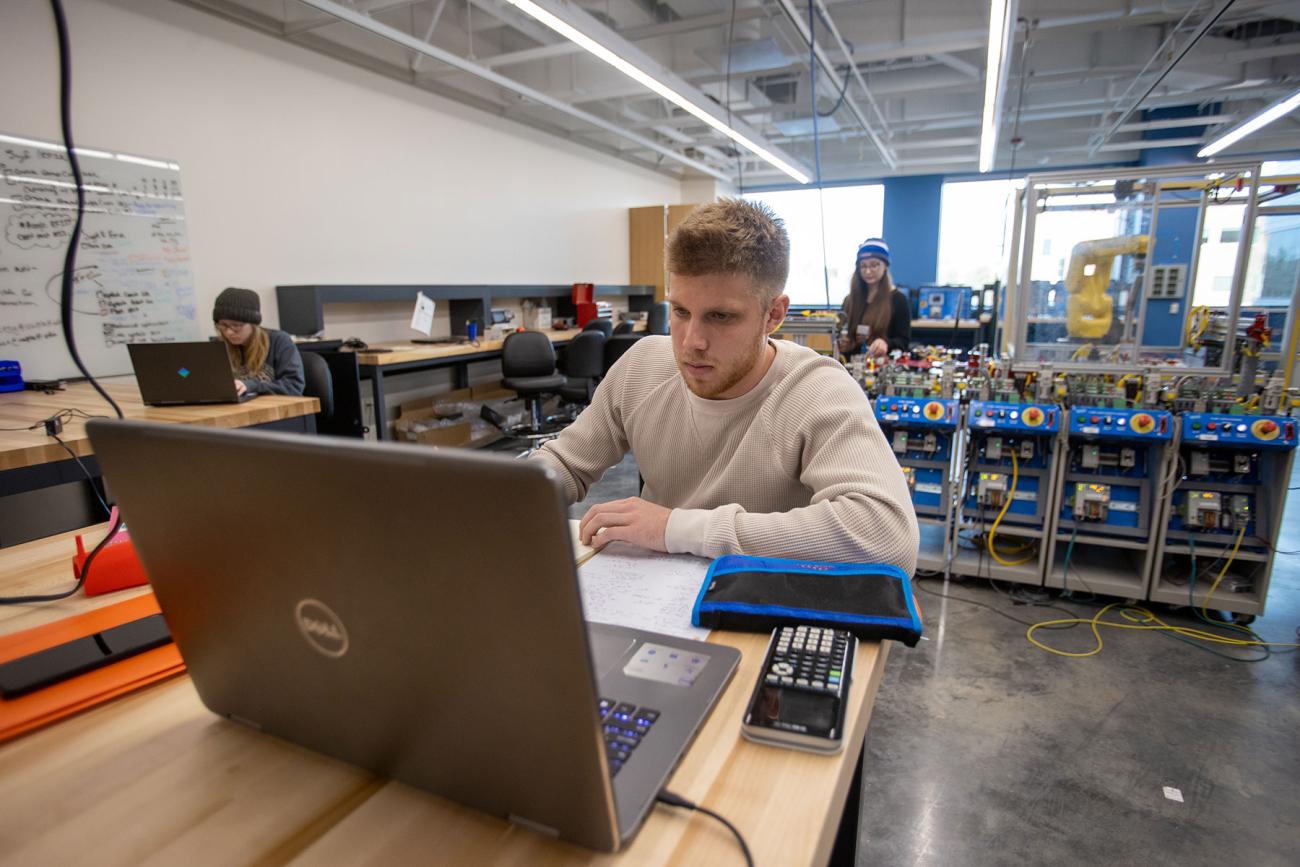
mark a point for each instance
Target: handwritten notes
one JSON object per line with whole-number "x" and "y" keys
{"x": 132, "y": 281}
{"x": 629, "y": 586}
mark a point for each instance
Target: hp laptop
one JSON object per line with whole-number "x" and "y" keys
{"x": 412, "y": 611}
{"x": 179, "y": 373}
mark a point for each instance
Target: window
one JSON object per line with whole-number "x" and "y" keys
{"x": 975, "y": 220}
{"x": 850, "y": 215}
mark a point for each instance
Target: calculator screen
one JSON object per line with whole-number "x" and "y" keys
{"x": 795, "y": 710}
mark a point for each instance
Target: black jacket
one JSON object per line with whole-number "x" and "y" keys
{"x": 900, "y": 326}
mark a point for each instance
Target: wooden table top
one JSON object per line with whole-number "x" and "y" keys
{"x": 25, "y": 448}
{"x": 156, "y": 778}
{"x": 404, "y": 351}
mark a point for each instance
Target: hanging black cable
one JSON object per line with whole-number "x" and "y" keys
{"x": 70, "y": 256}
{"x": 740, "y": 153}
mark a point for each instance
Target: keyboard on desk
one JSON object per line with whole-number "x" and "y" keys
{"x": 624, "y": 725}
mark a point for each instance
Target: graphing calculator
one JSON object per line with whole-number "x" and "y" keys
{"x": 801, "y": 693}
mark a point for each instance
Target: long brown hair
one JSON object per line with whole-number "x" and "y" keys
{"x": 874, "y": 315}
{"x": 249, "y": 359}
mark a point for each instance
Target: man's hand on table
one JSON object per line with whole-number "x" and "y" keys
{"x": 630, "y": 520}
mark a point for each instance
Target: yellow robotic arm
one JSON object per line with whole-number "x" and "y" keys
{"x": 1088, "y": 309}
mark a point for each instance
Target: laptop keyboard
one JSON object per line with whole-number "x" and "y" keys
{"x": 624, "y": 725}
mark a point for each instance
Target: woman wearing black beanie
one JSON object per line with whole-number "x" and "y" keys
{"x": 263, "y": 361}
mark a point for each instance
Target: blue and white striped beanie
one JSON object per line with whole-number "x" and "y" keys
{"x": 874, "y": 248}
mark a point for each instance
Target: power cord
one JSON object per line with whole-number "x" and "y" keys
{"x": 675, "y": 800}
{"x": 74, "y": 239}
{"x": 81, "y": 576}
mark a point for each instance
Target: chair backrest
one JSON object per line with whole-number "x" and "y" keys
{"x": 604, "y": 326}
{"x": 659, "y": 318}
{"x": 625, "y": 328}
{"x": 527, "y": 353}
{"x": 319, "y": 384}
{"x": 345, "y": 381}
{"x": 616, "y": 346}
{"x": 584, "y": 357}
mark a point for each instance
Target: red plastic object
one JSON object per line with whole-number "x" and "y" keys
{"x": 116, "y": 567}
{"x": 584, "y": 293}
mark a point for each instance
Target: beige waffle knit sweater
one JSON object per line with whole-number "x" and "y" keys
{"x": 797, "y": 467}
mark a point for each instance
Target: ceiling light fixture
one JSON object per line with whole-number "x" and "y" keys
{"x": 638, "y": 75}
{"x": 1252, "y": 124}
{"x": 1001, "y": 14}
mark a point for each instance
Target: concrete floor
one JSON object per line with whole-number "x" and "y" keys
{"x": 984, "y": 749}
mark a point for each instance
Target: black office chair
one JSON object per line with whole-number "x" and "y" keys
{"x": 624, "y": 327}
{"x": 659, "y": 318}
{"x": 528, "y": 368}
{"x": 345, "y": 381}
{"x": 584, "y": 364}
{"x": 320, "y": 385}
{"x": 616, "y": 346}
{"x": 604, "y": 326}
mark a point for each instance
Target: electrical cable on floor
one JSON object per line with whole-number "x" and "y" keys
{"x": 1142, "y": 619}
{"x": 675, "y": 800}
{"x": 994, "y": 608}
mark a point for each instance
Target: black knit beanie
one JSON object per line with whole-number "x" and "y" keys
{"x": 238, "y": 305}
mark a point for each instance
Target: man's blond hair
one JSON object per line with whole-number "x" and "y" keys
{"x": 733, "y": 236}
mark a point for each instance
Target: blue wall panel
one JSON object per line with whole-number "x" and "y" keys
{"x": 911, "y": 223}
{"x": 1175, "y": 244}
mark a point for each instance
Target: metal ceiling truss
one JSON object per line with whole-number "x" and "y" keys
{"x": 913, "y": 112}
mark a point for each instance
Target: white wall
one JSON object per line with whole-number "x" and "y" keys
{"x": 297, "y": 168}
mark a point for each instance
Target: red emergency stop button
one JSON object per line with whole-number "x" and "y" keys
{"x": 1143, "y": 423}
{"x": 1264, "y": 429}
{"x": 934, "y": 410}
{"x": 1033, "y": 416}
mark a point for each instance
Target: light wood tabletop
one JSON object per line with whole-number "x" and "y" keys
{"x": 21, "y": 409}
{"x": 403, "y": 351}
{"x": 155, "y": 778}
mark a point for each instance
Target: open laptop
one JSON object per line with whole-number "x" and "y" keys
{"x": 184, "y": 372}
{"x": 412, "y": 611}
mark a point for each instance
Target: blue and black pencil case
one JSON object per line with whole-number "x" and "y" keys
{"x": 874, "y": 601}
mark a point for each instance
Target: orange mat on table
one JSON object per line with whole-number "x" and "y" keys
{"x": 53, "y": 703}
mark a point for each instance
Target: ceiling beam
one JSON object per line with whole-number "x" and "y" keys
{"x": 413, "y": 43}
{"x": 373, "y": 7}
{"x": 1174, "y": 53}
{"x": 653, "y": 76}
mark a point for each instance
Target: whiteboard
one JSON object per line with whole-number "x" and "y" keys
{"x": 132, "y": 282}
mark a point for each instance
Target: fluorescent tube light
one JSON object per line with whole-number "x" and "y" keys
{"x": 1253, "y": 123}
{"x": 998, "y": 15}
{"x": 641, "y": 77}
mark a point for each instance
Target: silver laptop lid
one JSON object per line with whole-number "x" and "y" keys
{"x": 408, "y": 610}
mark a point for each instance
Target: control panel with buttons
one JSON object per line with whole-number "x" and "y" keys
{"x": 1136, "y": 424}
{"x": 1029, "y": 418}
{"x": 1240, "y": 431}
{"x": 917, "y": 411}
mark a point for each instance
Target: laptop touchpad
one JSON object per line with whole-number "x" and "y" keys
{"x": 607, "y": 651}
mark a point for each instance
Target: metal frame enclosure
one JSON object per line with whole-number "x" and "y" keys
{"x": 1015, "y": 333}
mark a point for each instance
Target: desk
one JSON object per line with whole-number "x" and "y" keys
{"x": 31, "y": 461}
{"x": 155, "y": 777}
{"x": 407, "y": 357}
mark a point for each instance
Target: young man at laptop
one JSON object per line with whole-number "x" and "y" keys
{"x": 746, "y": 444}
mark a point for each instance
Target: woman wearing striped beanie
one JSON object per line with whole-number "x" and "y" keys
{"x": 879, "y": 317}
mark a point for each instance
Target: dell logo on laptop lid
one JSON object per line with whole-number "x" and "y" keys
{"x": 184, "y": 372}
{"x": 322, "y": 628}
